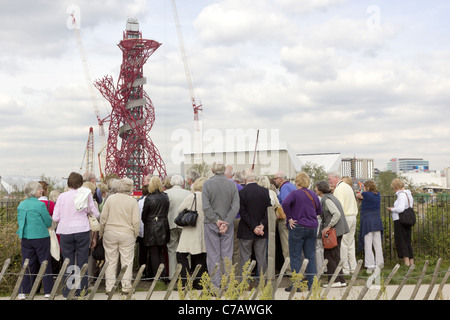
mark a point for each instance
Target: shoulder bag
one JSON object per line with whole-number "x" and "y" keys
{"x": 407, "y": 217}
{"x": 188, "y": 217}
{"x": 329, "y": 239}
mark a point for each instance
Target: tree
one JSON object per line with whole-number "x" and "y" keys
{"x": 384, "y": 179}
{"x": 201, "y": 168}
{"x": 315, "y": 172}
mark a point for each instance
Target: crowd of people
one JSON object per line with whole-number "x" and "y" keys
{"x": 233, "y": 224}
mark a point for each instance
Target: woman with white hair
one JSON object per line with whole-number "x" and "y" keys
{"x": 119, "y": 228}
{"x": 34, "y": 221}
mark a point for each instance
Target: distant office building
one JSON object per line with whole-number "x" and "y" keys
{"x": 359, "y": 169}
{"x": 408, "y": 164}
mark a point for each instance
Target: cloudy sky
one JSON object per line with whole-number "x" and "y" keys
{"x": 369, "y": 79}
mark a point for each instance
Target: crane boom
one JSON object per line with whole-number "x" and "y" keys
{"x": 185, "y": 62}
{"x": 198, "y": 157}
{"x": 90, "y": 86}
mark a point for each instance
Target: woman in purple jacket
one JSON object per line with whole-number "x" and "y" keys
{"x": 302, "y": 206}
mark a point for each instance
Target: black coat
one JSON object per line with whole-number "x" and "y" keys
{"x": 154, "y": 217}
{"x": 254, "y": 201}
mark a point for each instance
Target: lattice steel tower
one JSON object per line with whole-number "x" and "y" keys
{"x": 133, "y": 114}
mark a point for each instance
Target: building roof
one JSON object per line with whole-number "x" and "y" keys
{"x": 329, "y": 161}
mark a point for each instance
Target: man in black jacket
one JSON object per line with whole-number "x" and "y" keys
{"x": 253, "y": 227}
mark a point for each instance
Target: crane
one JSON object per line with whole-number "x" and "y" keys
{"x": 90, "y": 85}
{"x": 198, "y": 157}
{"x": 89, "y": 152}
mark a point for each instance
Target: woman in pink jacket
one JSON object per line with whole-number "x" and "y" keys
{"x": 71, "y": 213}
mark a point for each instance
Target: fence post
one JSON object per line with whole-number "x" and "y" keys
{"x": 302, "y": 272}
{"x": 352, "y": 281}
{"x": 319, "y": 274}
{"x": 433, "y": 280}
{"x": 72, "y": 291}
{"x": 400, "y": 287}
{"x": 116, "y": 284}
{"x": 136, "y": 282}
{"x": 330, "y": 283}
{"x": 19, "y": 280}
{"x": 386, "y": 283}
{"x": 57, "y": 284}
{"x": 173, "y": 281}
{"x": 155, "y": 280}
{"x": 38, "y": 280}
{"x": 280, "y": 277}
{"x": 419, "y": 282}
{"x": 369, "y": 282}
{"x": 441, "y": 286}
{"x": 98, "y": 281}
{"x": 5, "y": 267}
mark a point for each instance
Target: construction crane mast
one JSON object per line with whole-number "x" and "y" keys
{"x": 94, "y": 101}
{"x": 198, "y": 152}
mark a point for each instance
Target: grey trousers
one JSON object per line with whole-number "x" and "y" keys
{"x": 218, "y": 248}
{"x": 257, "y": 245}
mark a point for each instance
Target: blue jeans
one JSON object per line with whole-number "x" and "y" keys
{"x": 303, "y": 239}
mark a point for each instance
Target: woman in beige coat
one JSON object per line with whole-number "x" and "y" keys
{"x": 192, "y": 240}
{"x": 119, "y": 227}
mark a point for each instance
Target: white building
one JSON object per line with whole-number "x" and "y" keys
{"x": 267, "y": 161}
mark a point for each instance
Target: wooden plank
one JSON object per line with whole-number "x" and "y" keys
{"x": 405, "y": 278}
{"x": 302, "y": 272}
{"x": 98, "y": 281}
{"x": 5, "y": 267}
{"x": 72, "y": 291}
{"x": 369, "y": 282}
{"x": 319, "y": 275}
{"x": 419, "y": 281}
{"x": 38, "y": 280}
{"x": 116, "y": 284}
{"x": 58, "y": 283}
{"x": 433, "y": 279}
{"x": 136, "y": 282}
{"x": 388, "y": 279}
{"x": 333, "y": 278}
{"x": 352, "y": 280}
{"x": 441, "y": 286}
{"x": 19, "y": 279}
{"x": 155, "y": 280}
{"x": 173, "y": 282}
{"x": 281, "y": 275}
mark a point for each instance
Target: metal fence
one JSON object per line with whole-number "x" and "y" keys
{"x": 429, "y": 234}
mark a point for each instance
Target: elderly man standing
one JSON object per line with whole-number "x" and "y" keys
{"x": 283, "y": 185}
{"x": 346, "y": 196}
{"x": 176, "y": 196}
{"x": 253, "y": 226}
{"x": 220, "y": 202}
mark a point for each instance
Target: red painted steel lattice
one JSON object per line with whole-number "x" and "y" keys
{"x": 132, "y": 115}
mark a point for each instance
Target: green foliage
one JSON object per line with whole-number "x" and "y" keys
{"x": 315, "y": 172}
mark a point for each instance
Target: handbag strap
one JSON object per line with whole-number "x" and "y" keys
{"x": 309, "y": 196}
{"x": 194, "y": 202}
{"x": 407, "y": 198}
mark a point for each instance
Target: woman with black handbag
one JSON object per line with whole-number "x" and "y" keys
{"x": 402, "y": 232}
{"x": 192, "y": 239}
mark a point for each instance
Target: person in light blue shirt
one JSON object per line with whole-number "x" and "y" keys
{"x": 283, "y": 185}
{"x": 34, "y": 220}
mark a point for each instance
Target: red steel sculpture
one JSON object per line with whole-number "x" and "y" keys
{"x": 133, "y": 114}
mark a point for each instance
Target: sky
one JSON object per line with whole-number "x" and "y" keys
{"x": 368, "y": 79}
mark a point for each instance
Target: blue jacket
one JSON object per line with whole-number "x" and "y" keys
{"x": 33, "y": 219}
